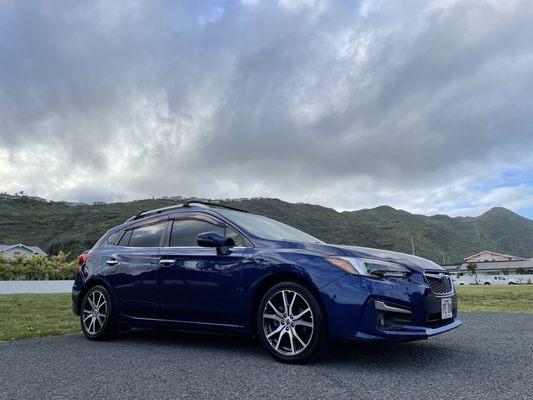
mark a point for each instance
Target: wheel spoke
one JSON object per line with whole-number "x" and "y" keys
{"x": 100, "y": 320}
{"x": 91, "y": 303}
{"x": 298, "y": 337}
{"x": 304, "y": 323}
{"x": 273, "y": 316}
{"x": 296, "y": 317}
{"x": 101, "y": 301}
{"x": 285, "y": 303}
{"x": 278, "y": 313}
{"x": 87, "y": 317}
{"x": 279, "y": 329}
{"x": 292, "y": 303}
{"x": 279, "y": 338}
{"x": 291, "y": 340}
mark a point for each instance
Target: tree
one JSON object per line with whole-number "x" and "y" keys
{"x": 472, "y": 267}
{"x": 520, "y": 270}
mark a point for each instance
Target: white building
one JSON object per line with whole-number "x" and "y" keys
{"x": 492, "y": 263}
{"x": 10, "y": 251}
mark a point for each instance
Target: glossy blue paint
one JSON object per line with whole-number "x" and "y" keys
{"x": 216, "y": 289}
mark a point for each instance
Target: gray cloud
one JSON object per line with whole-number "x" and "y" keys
{"x": 421, "y": 105}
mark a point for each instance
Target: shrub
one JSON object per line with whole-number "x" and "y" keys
{"x": 38, "y": 268}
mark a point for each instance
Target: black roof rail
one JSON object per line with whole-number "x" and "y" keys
{"x": 207, "y": 203}
{"x": 146, "y": 213}
{"x": 191, "y": 203}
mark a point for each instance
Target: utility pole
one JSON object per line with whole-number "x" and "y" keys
{"x": 443, "y": 258}
{"x": 412, "y": 243}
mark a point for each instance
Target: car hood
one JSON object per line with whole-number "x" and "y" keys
{"x": 417, "y": 263}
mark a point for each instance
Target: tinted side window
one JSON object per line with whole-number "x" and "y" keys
{"x": 125, "y": 239}
{"x": 239, "y": 240}
{"x": 185, "y": 232}
{"x": 114, "y": 238}
{"x": 147, "y": 236}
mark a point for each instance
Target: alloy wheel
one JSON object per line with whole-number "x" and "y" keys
{"x": 95, "y": 312}
{"x": 288, "y": 322}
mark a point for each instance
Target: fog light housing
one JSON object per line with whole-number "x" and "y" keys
{"x": 390, "y": 316}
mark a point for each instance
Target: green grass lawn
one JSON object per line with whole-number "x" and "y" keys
{"x": 31, "y": 315}
{"x": 508, "y": 298}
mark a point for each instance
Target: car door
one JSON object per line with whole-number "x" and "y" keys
{"x": 198, "y": 284}
{"x": 132, "y": 268}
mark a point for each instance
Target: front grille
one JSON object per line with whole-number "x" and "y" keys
{"x": 441, "y": 284}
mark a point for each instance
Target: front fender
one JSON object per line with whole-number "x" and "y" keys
{"x": 262, "y": 268}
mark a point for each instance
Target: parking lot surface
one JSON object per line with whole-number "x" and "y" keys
{"x": 489, "y": 357}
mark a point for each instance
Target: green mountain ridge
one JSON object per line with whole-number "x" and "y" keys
{"x": 74, "y": 227}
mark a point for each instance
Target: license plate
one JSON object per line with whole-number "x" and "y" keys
{"x": 446, "y": 308}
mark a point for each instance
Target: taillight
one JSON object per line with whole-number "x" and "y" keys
{"x": 82, "y": 259}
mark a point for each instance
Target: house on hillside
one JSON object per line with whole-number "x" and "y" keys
{"x": 486, "y": 256}
{"x": 9, "y": 251}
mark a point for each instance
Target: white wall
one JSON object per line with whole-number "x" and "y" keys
{"x": 13, "y": 287}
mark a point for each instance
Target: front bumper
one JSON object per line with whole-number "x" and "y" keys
{"x": 351, "y": 307}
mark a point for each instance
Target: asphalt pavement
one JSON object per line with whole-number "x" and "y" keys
{"x": 489, "y": 357}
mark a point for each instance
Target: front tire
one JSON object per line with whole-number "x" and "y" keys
{"x": 290, "y": 323}
{"x": 97, "y": 314}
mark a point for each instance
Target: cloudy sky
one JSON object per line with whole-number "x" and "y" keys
{"x": 422, "y": 105}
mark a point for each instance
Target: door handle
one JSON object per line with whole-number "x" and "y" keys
{"x": 167, "y": 261}
{"x": 111, "y": 261}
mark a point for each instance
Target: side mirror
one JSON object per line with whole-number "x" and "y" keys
{"x": 214, "y": 239}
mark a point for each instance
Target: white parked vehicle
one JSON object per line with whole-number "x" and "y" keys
{"x": 498, "y": 280}
{"x": 492, "y": 279}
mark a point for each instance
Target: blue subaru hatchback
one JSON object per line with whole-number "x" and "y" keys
{"x": 208, "y": 267}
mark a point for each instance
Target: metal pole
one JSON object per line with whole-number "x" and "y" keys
{"x": 412, "y": 243}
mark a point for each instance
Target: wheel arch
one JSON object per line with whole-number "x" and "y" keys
{"x": 89, "y": 284}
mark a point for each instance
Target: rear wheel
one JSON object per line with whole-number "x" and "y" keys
{"x": 291, "y": 324}
{"x": 487, "y": 283}
{"x": 96, "y": 317}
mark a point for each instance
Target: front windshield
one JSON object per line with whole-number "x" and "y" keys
{"x": 267, "y": 228}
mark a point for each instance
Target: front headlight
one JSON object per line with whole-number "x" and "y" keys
{"x": 371, "y": 268}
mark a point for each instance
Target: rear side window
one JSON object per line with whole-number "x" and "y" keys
{"x": 125, "y": 239}
{"x": 185, "y": 232}
{"x": 147, "y": 236}
{"x": 114, "y": 238}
